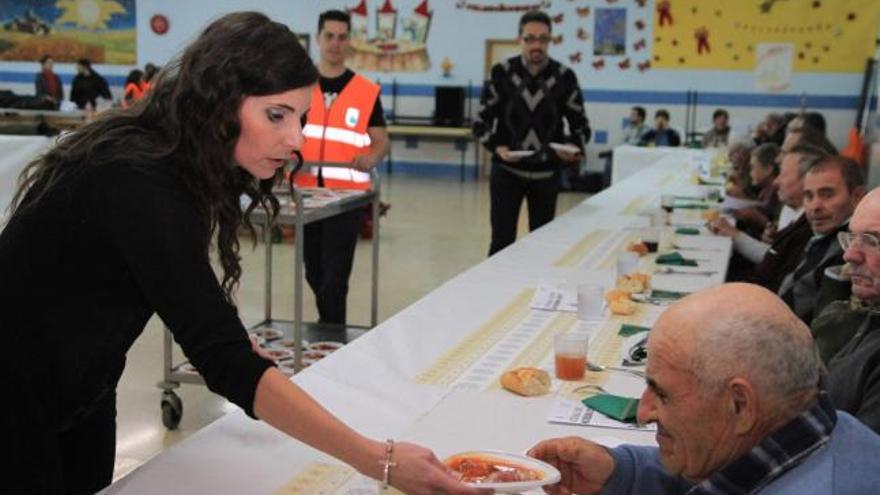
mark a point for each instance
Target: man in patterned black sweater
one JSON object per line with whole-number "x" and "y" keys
{"x": 533, "y": 123}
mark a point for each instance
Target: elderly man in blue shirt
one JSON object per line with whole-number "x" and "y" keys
{"x": 733, "y": 385}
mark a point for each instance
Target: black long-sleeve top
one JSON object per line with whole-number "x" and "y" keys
{"x": 526, "y": 112}
{"x": 83, "y": 270}
{"x": 86, "y": 89}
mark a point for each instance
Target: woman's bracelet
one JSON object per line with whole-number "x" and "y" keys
{"x": 387, "y": 463}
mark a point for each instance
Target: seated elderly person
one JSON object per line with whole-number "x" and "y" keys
{"x": 739, "y": 183}
{"x": 733, "y": 387}
{"x": 854, "y": 372}
{"x": 804, "y": 134}
{"x": 813, "y": 120}
{"x": 832, "y": 189}
{"x": 767, "y": 263}
{"x": 763, "y": 170}
{"x": 718, "y": 135}
{"x": 771, "y": 129}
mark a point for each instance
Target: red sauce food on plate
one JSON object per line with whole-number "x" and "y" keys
{"x": 478, "y": 469}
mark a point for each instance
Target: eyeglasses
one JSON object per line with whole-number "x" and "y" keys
{"x": 531, "y": 38}
{"x": 865, "y": 239}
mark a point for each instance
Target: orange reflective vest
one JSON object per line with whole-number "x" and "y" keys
{"x": 133, "y": 93}
{"x": 338, "y": 134}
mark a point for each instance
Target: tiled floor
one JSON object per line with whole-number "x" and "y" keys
{"x": 436, "y": 228}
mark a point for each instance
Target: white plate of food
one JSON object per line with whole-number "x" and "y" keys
{"x": 567, "y": 148}
{"x": 278, "y": 353}
{"x": 268, "y": 333}
{"x": 504, "y": 472}
{"x": 288, "y": 344}
{"x": 325, "y": 346}
{"x": 521, "y": 153}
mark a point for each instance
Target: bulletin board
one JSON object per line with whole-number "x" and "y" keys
{"x": 824, "y": 35}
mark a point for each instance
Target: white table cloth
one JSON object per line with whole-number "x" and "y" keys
{"x": 394, "y": 381}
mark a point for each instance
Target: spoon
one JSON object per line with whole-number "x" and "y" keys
{"x": 599, "y": 367}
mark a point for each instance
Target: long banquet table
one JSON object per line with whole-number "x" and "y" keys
{"x": 429, "y": 374}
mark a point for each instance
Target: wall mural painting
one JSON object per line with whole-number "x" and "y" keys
{"x": 389, "y": 40}
{"x": 824, "y": 35}
{"x": 104, "y": 31}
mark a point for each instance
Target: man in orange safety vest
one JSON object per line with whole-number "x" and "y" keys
{"x": 345, "y": 125}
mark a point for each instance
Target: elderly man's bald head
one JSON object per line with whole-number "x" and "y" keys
{"x": 746, "y": 331}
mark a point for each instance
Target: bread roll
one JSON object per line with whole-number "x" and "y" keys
{"x": 623, "y": 307}
{"x": 526, "y": 381}
{"x": 615, "y": 294}
{"x": 637, "y": 282}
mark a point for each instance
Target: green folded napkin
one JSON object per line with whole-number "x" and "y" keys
{"x": 692, "y": 206}
{"x": 687, "y": 231}
{"x": 627, "y": 330}
{"x": 614, "y": 406}
{"x": 674, "y": 258}
{"x": 667, "y": 294}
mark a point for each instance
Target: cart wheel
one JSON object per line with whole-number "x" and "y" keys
{"x": 172, "y": 410}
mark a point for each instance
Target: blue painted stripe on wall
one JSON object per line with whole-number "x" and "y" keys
{"x": 24, "y": 77}
{"x": 836, "y": 102}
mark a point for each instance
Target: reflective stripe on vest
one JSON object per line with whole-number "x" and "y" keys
{"x": 336, "y": 134}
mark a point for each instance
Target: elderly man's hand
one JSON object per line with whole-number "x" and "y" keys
{"x": 585, "y": 466}
{"x": 720, "y": 226}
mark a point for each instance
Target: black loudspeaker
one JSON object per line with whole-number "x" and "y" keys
{"x": 449, "y": 106}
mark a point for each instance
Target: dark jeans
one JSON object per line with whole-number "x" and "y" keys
{"x": 329, "y": 255}
{"x": 77, "y": 461}
{"x": 507, "y": 192}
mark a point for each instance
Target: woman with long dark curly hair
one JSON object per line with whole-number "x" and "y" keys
{"x": 116, "y": 223}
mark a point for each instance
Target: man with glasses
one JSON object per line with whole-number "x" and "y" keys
{"x": 853, "y": 379}
{"x": 533, "y": 123}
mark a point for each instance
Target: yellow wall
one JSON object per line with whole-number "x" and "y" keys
{"x": 828, "y": 35}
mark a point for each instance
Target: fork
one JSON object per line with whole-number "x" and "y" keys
{"x": 694, "y": 248}
{"x": 673, "y": 271}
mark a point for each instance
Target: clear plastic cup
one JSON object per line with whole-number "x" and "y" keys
{"x": 627, "y": 263}
{"x": 570, "y": 356}
{"x": 590, "y": 301}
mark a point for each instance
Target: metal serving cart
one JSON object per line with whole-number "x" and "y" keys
{"x": 318, "y": 204}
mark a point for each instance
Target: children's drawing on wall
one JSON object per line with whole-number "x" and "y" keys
{"x": 398, "y": 41}
{"x": 103, "y": 31}
{"x": 825, "y": 36}
{"x": 610, "y": 32}
{"x": 773, "y": 70}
